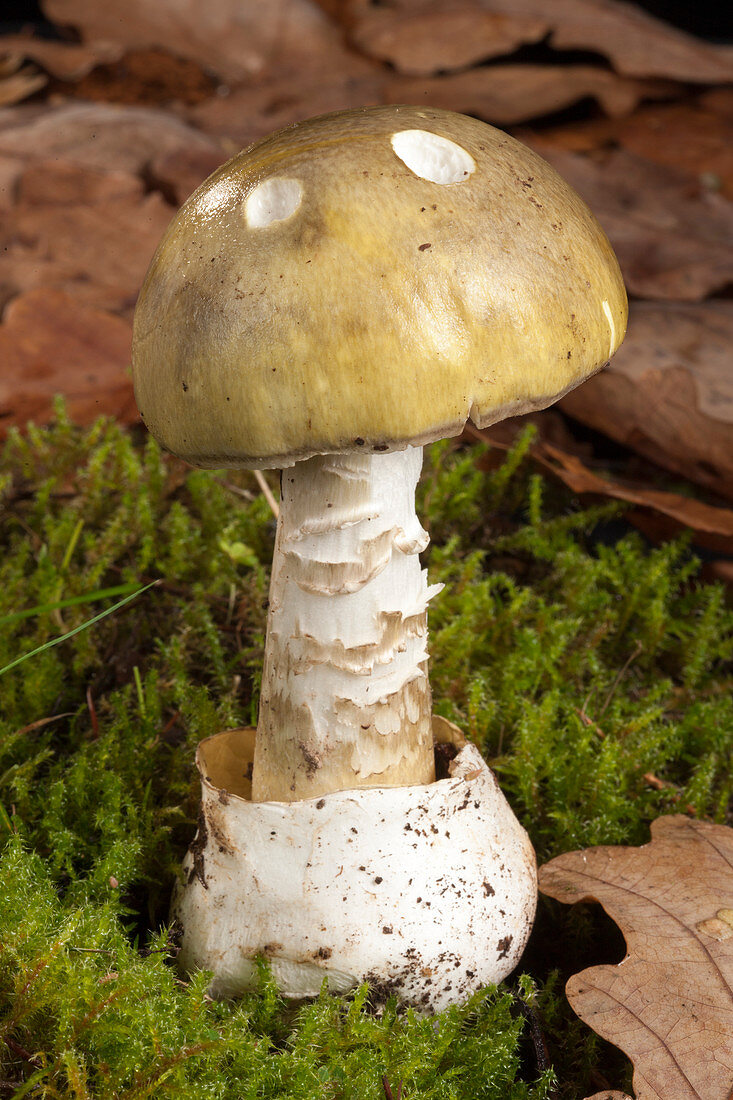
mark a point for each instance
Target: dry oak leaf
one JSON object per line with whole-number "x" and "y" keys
{"x": 254, "y": 110}
{"x": 297, "y": 84}
{"x": 148, "y": 78}
{"x": 669, "y": 1004}
{"x": 637, "y": 44}
{"x": 659, "y": 513}
{"x": 668, "y": 391}
{"x": 685, "y": 137}
{"x": 422, "y": 39}
{"x": 18, "y": 81}
{"x": 61, "y": 183}
{"x": 178, "y": 174}
{"x": 98, "y": 252}
{"x": 10, "y": 169}
{"x": 719, "y": 100}
{"x": 96, "y": 135}
{"x": 65, "y": 60}
{"x": 713, "y": 526}
{"x": 50, "y": 344}
{"x": 87, "y": 227}
{"x": 672, "y": 240}
{"x": 236, "y": 39}
{"x": 507, "y": 94}
{"x": 609, "y": 1096}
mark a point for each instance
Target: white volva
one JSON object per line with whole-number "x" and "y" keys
{"x": 427, "y": 892}
{"x": 345, "y": 695}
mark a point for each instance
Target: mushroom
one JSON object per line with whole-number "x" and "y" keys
{"x": 330, "y": 300}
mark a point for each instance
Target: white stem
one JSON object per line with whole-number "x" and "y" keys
{"x": 345, "y": 694}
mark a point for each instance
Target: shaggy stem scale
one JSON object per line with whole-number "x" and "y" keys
{"x": 345, "y": 694}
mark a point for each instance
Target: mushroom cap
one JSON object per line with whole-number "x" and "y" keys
{"x": 347, "y": 283}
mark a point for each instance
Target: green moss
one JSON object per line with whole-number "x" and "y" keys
{"x": 577, "y": 658}
{"x": 105, "y": 1019}
{"x": 580, "y": 666}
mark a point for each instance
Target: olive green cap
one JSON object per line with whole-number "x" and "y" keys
{"x": 319, "y": 294}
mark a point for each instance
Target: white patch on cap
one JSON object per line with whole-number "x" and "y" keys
{"x": 609, "y": 317}
{"x": 272, "y": 201}
{"x": 433, "y": 157}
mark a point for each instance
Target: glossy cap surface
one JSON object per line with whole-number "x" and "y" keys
{"x": 370, "y": 279}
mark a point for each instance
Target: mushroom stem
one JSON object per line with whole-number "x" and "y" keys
{"x": 345, "y": 693}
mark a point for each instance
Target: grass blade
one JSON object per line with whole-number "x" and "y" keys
{"x": 87, "y": 597}
{"x": 77, "y": 629}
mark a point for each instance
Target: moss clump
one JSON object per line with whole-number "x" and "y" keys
{"x": 101, "y": 1018}
{"x": 578, "y": 663}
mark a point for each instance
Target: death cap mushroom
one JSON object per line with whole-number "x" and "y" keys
{"x": 368, "y": 280}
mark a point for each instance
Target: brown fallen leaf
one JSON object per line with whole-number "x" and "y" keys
{"x": 507, "y": 94}
{"x": 10, "y": 169}
{"x": 609, "y": 1096}
{"x": 74, "y": 214}
{"x": 636, "y": 43}
{"x": 654, "y": 781}
{"x": 719, "y": 100}
{"x": 672, "y": 240}
{"x": 421, "y": 39}
{"x": 18, "y": 81}
{"x": 669, "y": 1004}
{"x": 660, "y": 514}
{"x": 255, "y": 109}
{"x": 66, "y": 60}
{"x": 51, "y": 344}
{"x": 178, "y": 174}
{"x": 98, "y": 252}
{"x": 713, "y": 526}
{"x": 151, "y": 78}
{"x": 657, "y": 528}
{"x": 96, "y": 135}
{"x": 236, "y": 39}
{"x": 668, "y": 391}
{"x": 721, "y": 571}
{"x": 683, "y": 136}
{"x": 60, "y": 183}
